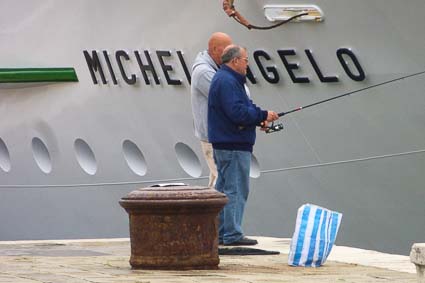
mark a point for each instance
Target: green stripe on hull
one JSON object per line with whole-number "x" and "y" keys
{"x": 32, "y": 75}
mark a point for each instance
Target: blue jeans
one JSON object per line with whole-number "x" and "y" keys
{"x": 233, "y": 180}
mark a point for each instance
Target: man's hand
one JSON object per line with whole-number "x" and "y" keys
{"x": 272, "y": 116}
{"x": 264, "y": 125}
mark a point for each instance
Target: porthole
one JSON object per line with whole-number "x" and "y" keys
{"x": 188, "y": 160}
{"x": 41, "y": 155}
{"x": 85, "y": 156}
{"x": 255, "y": 168}
{"x": 5, "y": 164}
{"x": 134, "y": 157}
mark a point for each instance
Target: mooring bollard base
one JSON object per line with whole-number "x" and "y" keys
{"x": 157, "y": 263}
{"x": 179, "y": 238}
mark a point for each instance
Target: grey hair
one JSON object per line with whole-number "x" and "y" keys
{"x": 230, "y": 54}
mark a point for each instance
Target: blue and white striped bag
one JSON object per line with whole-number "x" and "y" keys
{"x": 315, "y": 233}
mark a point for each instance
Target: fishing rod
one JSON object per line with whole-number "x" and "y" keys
{"x": 278, "y": 127}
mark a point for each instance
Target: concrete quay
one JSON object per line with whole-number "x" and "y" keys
{"x": 106, "y": 261}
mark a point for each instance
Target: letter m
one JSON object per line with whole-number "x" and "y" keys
{"x": 94, "y": 65}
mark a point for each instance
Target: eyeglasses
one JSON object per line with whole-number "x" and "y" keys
{"x": 244, "y": 58}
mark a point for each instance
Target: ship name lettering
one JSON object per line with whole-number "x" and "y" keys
{"x": 132, "y": 66}
{"x": 128, "y": 62}
{"x": 270, "y": 71}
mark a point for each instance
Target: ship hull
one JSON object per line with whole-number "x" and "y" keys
{"x": 362, "y": 155}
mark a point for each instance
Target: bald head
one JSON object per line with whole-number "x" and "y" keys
{"x": 216, "y": 44}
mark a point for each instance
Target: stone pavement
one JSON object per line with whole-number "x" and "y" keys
{"x": 106, "y": 261}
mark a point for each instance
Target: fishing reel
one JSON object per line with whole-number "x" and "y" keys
{"x": 274, "y": 128}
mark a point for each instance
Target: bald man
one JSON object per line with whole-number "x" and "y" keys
{"x": 206, "y": 65}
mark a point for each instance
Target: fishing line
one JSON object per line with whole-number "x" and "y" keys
{"x": 304, "y": 136}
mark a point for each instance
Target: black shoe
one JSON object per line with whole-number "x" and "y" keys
{"x": 243, "y": 242}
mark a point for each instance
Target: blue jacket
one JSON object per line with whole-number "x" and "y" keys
{"x": 232, "y": 117}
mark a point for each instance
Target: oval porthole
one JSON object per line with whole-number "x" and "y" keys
{"x": 134, "y": 157}
{"x": 41, "y": 155}
{"x": 255, "y": 168}
{"x": 188, "y": 160}
{"x": 85, "y": 156}
{"x": 5, "y": 164}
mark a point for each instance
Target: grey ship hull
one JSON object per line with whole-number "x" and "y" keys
{"x": 362, "y": 155}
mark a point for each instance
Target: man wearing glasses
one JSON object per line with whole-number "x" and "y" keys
{"x": 232, "y": 121}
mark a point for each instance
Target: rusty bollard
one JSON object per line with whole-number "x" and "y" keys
{"x": 174, "y": 227}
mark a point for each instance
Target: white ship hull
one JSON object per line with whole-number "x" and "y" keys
{"x": 362, "y": 155}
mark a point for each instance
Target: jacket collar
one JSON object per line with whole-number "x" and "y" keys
{"x": 239, "y": 77}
